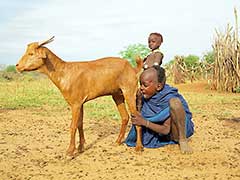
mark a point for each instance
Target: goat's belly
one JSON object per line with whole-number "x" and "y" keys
{"x": 93, "y": 95}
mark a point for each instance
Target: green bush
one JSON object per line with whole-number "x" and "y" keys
{"x": 10, "y": 68}
{"x": 191, "y": 61}
{"x": 209, "y": 57}
{"x": 237, "y": 89}
{"x": 134, "y": 50}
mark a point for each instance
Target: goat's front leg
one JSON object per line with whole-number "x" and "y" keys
{"x": 73, "y": 128}
{"x": 131, "y": 101}
{"x": 119, "y": 101}
{"x": 80, "y": 131}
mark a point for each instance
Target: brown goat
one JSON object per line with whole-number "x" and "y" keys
{"x": 80, "y": 82}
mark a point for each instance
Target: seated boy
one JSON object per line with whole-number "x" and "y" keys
{"x": 165, "y": 116}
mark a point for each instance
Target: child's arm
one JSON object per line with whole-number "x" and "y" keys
{"x": 162, "y": 129}
{"x": 158, "y": 56}
{"x": 154, "y": 59}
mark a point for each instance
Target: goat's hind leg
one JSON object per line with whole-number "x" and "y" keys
{"x": 119, "y": 100}
{"x": 81, "y": 132}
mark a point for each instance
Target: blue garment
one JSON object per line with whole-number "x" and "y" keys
{"x": 156, "y": 110}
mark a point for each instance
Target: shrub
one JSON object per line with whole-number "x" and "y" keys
{"x": 209, "y": 57}
{"x": 10, "y": 68}
{"x": 237, "y": 89}
{"x": 191, "y": 61}
{"x": 134, "y": 50}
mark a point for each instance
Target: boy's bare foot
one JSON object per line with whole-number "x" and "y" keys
{"x": 185, "y": 148}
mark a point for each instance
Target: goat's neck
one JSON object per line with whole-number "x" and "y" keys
{"x": 54, "y": 68}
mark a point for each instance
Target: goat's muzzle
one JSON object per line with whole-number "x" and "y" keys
{"x": 18, "y": 68}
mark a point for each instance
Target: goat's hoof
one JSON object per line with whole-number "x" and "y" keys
{"x": 69, "y": 157}
{"x": 115, "y": 144}
{"x": 80, "y": 148}
{"x": 118, "y": 142}
{"x": 70, "y": 154}
{"x": 71, "y": 151}
{"x": 139, "y": 148}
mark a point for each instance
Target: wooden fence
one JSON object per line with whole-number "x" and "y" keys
{"x": 226, "y": 73}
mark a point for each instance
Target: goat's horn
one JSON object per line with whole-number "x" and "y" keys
{"x": 46, "y": 42}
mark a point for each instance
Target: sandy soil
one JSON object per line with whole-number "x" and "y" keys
{"x": 33, "y": 143}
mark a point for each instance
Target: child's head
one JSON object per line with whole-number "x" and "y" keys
{"x": 155, "y": 40}
{"x": 152, "y": 80}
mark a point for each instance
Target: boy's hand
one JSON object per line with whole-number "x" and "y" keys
{"x": 137, "y": 119}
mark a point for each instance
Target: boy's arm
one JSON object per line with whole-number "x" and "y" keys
{"x": 158, "y": 56}
{"x": 162, "y": 129}
{"x": 153, "y": 59}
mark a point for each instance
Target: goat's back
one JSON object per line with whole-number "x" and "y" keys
{"x": 101, "y": 77}
{"x": 106, "y": 62}
{"x": 109, "y": 66}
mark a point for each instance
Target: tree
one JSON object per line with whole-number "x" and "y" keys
{"x": 191, "y": 61}
{"x": 209, "y": 57}
{"x": 134, "y": 50}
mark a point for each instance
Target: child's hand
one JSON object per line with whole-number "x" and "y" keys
{"x": 137, "y": 119}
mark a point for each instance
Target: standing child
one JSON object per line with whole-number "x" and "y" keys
{"x": 165, "y": 116}
{"x": 155, "y": 57}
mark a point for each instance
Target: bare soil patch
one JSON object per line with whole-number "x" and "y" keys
{"x": 33, "y": 143}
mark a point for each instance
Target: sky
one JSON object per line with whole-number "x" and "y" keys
{"x": 91, "y": 29}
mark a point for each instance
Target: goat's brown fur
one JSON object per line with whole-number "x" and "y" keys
{"x": 80, "y": 82}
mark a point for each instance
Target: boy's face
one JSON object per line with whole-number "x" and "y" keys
{"x": 154, "y": 42}
{"x": 149, "y": 84}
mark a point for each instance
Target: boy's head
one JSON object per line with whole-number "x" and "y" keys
{"x": 152, "y": 80}
{"x": 155, "y": 40}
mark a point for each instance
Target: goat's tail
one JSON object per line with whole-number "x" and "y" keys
{"x": 139, "y": 62}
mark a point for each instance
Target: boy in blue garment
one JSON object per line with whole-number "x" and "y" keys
{"x": 165, "y": 116}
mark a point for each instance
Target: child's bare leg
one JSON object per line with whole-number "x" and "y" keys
{"x": 178, "y": 130}
{"x": 174, "y": 131}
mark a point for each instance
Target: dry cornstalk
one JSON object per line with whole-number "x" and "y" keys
{"x": 226, "y": 75}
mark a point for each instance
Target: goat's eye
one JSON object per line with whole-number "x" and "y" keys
{"x": 30, "y": 54}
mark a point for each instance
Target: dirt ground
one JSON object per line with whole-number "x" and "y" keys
{"x": 33, "y": 143}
